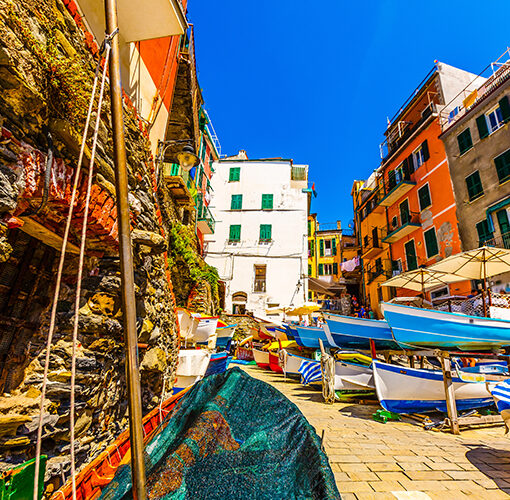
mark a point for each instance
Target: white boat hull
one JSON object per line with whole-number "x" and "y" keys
{"x": 191, "y": 367}
{"x": 352, "y": 377}
{"x": 187, "y": 324}
{"x": 261, "y": 358}
{"x": 410, "y": 390}
{"x": 205, "y": 330}
{"x": 291, "y": 363}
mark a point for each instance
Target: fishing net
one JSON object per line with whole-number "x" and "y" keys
{"x": 232, "y": 437}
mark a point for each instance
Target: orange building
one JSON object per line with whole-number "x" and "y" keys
{"x": 413, "y": 189}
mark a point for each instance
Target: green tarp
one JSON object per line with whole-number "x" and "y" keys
{"x": 233, "y": 437}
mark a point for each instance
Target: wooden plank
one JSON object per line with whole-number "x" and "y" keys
{"x": 484, "y": 419}
{"x": 48, "y": 237}
{"x": 446, "y": 365}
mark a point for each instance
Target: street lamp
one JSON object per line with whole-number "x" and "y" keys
{"x": 186, "y": 157}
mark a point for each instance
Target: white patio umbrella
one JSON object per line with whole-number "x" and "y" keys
{"x": 422, "y": 279}
{"x": 478, "y": 264}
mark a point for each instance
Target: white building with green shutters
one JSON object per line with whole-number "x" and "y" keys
{"x": 260, "y": 243}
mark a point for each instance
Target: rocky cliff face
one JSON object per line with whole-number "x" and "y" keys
{"x": 47, "y": 63}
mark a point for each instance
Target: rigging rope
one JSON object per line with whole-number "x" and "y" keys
{"x": 51, "y": 329}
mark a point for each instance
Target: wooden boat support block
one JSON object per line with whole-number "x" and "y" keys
{"x": 51, "y": 239}
{"x": 482, "y": 420}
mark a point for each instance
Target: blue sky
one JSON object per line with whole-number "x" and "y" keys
{"x": 315, "y": 81}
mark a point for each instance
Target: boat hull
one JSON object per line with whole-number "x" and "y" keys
{"x": 224, "y": 336}
{"x": 274, "y": 362}
{"x": 352, "y": 377}
{"x": 348, "y": 332}
{"x": 205, "y": 330}
{"x": 291, "y": 364}
{"x": 261, "y": 358}
{"x": 410, "y": 390}
{"x": 413, "y": 327}
{"x": 309, "y": 337}
{"x": 192, "y": 366}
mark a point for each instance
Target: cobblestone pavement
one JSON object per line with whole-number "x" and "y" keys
{"x": 400, "y": 460}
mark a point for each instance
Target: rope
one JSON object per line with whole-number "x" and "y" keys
{"x": 80, "y": 266}
{"x": 56, "y": 294}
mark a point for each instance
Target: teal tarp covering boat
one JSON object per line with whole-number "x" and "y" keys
{"x": 231, "y": 437}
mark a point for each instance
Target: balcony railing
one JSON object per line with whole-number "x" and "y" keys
{"x": 372, "y": 205}
{"x": 373, "y": 244}
{"x": 502, "y": 241}
{"x": 179, "y": 183}
{"x": 397, "y": 186}
{"x": 205, "y": 220}
{"x": 382, "y": 271}
{"x": 402, "y": 225}
{"x": 298, "y": 174}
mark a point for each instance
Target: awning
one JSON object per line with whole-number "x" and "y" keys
{"x": 320, "y": 286}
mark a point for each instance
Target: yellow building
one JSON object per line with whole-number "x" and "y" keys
{"x": 328, "y": 247}
{"x": 370, "y": 223}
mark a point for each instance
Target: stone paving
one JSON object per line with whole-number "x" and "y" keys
{"x": 400, "y": 460}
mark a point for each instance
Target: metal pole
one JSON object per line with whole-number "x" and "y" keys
{"x": 126, "y": 262}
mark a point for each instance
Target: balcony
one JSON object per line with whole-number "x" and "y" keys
{"x": 402, "y": 225}
{"x": 373, "y": 205}
{"x": 205, "y": 220}
{"x": 373, "y": 245}
{"x": 502, "y": 241}
{"x": 379, "y": 271}
{"x": 395, "y": 188}
{"x": 179, "y": 183}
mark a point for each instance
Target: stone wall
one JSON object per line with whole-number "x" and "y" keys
{"x": 46, "y": 71}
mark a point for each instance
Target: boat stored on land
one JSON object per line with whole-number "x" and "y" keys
{"x": 224, "y": 336}
{"x": 191, "y": 367}
{"x": 261, "y": 358}
{"x": 415, "y": 328}
{"x": 309, "y": 337}
{"x": 353, "y": 376}
{"x": 348, "y": 332}
{"x": 411, "y": 390}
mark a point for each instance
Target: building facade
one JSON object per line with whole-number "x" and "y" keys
{"x": 260, "y": 244}
{"x": 477, "y": 143}
{"x": 406, "y": 214}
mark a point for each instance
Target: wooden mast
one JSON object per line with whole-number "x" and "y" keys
{"x": 126, "y": 260}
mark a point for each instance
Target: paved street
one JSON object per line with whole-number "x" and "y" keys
{"x": 399, "y": 459}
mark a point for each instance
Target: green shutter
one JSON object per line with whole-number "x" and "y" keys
{"x": 267, "y": 202}
{"x": 321, "y": 248}
{"x": 309, "y": 269}
{"x": 465, "y": 141}
{"x": 312, "y": 249}
{"x": 309, "y": 227}
{"x": 333, "y": 248}
{"x": 483, "y": 129}
{"x": 412, "y": 261}
{"x": 335, "y": 268}
{"x": 425, "y": 150}
{"x": 474, "y": 185}
{"x": 431, "y": 243}
{"x": 321, "y": 269}
{"x": 502, "y": 163}
{"x": 424, "y": 197}
{"x": 235, "y": 232}
{"x": 265, "y": 232}
{"x": 504, "y": 105}
{"x": 236, "y": 202}
{"x": 234, "y": 174}
{"x": 484, "y": 232}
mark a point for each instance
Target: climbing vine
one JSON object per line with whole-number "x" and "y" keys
{"x": 66, "y": 81}
{"x": 182, "y": 244}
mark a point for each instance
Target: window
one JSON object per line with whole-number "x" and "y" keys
{"x": 298, "y": 174}
{"x": 396, "y": 267}
{"x": 309, "y": 269}
{"x": 328, "y": 246}
{"x": 424, "y": 197}
{"x": 431, "y": 243}
{"x": 465, "y": 141}
{"x": 259, "y": 284}
{"x": 335, "y": 268}
{"x": 328, "y": 268}
{"x": 321, "y": 269}
{"x": 495, "y": 119}
{"x": 484, "y": 232}
{"x": 236, "y": 202}
{"x": 411, "y": 259}
{"x": 419, "y": 157}
{"x": 502, "y": 163}
{"x": 474, "y": 186}
{"x": 267, "y": 202}
{"x": 439, "y": 293}
{"x": 265, "y": 232}
{"x": 234, "y": 174}
{"x": 235, "y": 232}
{"x": 311, "y": 249}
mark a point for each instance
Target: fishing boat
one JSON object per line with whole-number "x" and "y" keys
{"x": 347, "y": 332}
{"x": 261, "y": 358}
{"x": 206, "y": 328}
{"x": 309, "y": 337}
{"x": 291, "y": 363}
{"x": 413, "y": 327}
{"x": 411, "y": 390}
{"x": 224, "y": 336}
{"x": 218, "y": 363}
{"x": 501, "y": 395}
{"x": 192, "y": 366}
{"x": 187, "y": 323}
{"x": 353, "y": 376}
{"x": 274, "y": 362}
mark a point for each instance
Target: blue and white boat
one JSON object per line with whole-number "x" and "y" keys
{"x": 224, "y": 336}
{"x": 346, "y": 332}
{"x": 411, "y": 390}
{"x": 309, "y": 337}
{"x": 415, "y": 328}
